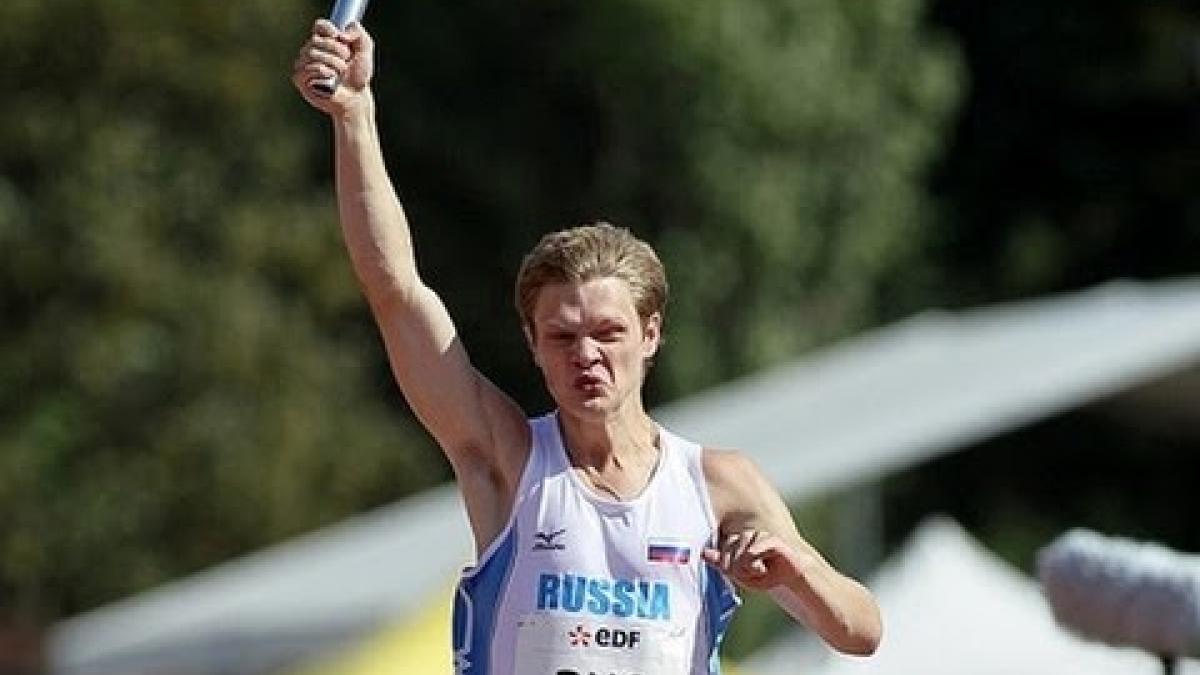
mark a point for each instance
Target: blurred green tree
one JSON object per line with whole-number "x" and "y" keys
{"x": 182, "y": 355}
{"x": 1077, "y": 154}
{"x": 774, "y": 150}
{"x": 187, "y": 369}
{"x": 1074, "y": 161}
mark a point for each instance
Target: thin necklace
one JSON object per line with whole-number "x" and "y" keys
{"x": 602, "y": 486}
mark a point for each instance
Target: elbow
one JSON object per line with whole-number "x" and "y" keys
{"x": 860, "y": 644}
{"x": 851, "y": 624}
{"x": 861, "y": 637}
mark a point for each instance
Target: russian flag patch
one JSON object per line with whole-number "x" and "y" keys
{"x": 669, "y": 552}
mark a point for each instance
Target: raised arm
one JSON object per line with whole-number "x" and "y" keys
{"x": 761, "y": 549}
{"x": 482, "y": 432}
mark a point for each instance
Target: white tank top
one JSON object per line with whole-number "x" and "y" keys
{"x": 579, "y": 585}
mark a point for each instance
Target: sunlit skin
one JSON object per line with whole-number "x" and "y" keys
{"x": 592, "y": 349}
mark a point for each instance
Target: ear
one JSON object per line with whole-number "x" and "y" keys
{"x": 651, "y": 335}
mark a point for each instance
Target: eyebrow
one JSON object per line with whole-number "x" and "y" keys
{"x": 554, "y": 323}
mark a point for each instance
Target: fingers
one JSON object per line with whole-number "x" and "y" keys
{"x": 354, "y": 36}
{"x": 358, "y": 38}
{"x": 308, "y": 71}
{"x": 323, "y": 57}
{"x": 330, "y": 46}
{"x": 323, "y": 50}
{"x": 332, "y": 54}
{"x": 324, "y": 28}
{"x": 743, "y": 555}
{"x": 317, "y": 67}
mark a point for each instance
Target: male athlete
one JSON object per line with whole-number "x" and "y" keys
{"x": 606, "y": 544}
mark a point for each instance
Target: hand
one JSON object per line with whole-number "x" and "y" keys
{"x": 755, "y": 559}
{"x": 348, "y": 55}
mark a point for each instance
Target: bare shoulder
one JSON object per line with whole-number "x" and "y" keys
{"x": 734, "y": 481}
{"x": 727, "y": 468}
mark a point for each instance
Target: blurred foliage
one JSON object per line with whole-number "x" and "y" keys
{"x": 773, "y": 150}
{"x": 1075, "y": 160}
{"x": 1077, "y": 155}
{"x": 187, "y": 371}
{"x": 183, "y": 361}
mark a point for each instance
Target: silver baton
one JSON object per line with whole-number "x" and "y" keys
{"x": 344, "y": 13}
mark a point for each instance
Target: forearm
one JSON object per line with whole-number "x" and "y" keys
{"x": 839, "y": 608}
{"x": 374, "y": 226}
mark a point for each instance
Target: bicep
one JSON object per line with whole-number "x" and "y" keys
{"x": 468, "y": 416}
{"x": 744, "y": 499}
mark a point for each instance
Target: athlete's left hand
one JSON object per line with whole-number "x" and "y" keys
{"x": 755, "y": 559}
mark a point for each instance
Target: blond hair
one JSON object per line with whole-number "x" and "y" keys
{"x": 587, "y": 252}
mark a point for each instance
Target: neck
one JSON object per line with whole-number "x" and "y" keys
{"x": 621, "y": 440}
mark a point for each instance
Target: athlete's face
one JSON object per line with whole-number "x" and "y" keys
{"x": 590, "y": 344}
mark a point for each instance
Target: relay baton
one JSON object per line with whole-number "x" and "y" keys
{"x": 344, "y": 13}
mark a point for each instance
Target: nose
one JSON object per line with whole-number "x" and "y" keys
{"x": 586, "y": 353}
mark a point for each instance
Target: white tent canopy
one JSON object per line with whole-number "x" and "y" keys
{"x": 886, "y": 400}
{"x": 269, "y": 609}
{"x": 940, "y": 381}
{"x": 951, "y": 607}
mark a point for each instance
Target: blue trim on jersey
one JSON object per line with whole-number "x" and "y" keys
{"x": 475, "y": 605}
{"x": 720, "y": 601}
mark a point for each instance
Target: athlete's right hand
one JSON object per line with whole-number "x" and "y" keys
{"x": 348, "y": 55}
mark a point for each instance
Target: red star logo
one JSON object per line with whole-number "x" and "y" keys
{"x": 579, "y": 636}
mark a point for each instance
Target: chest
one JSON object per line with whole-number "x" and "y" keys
{"x": 582, "y": 555}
